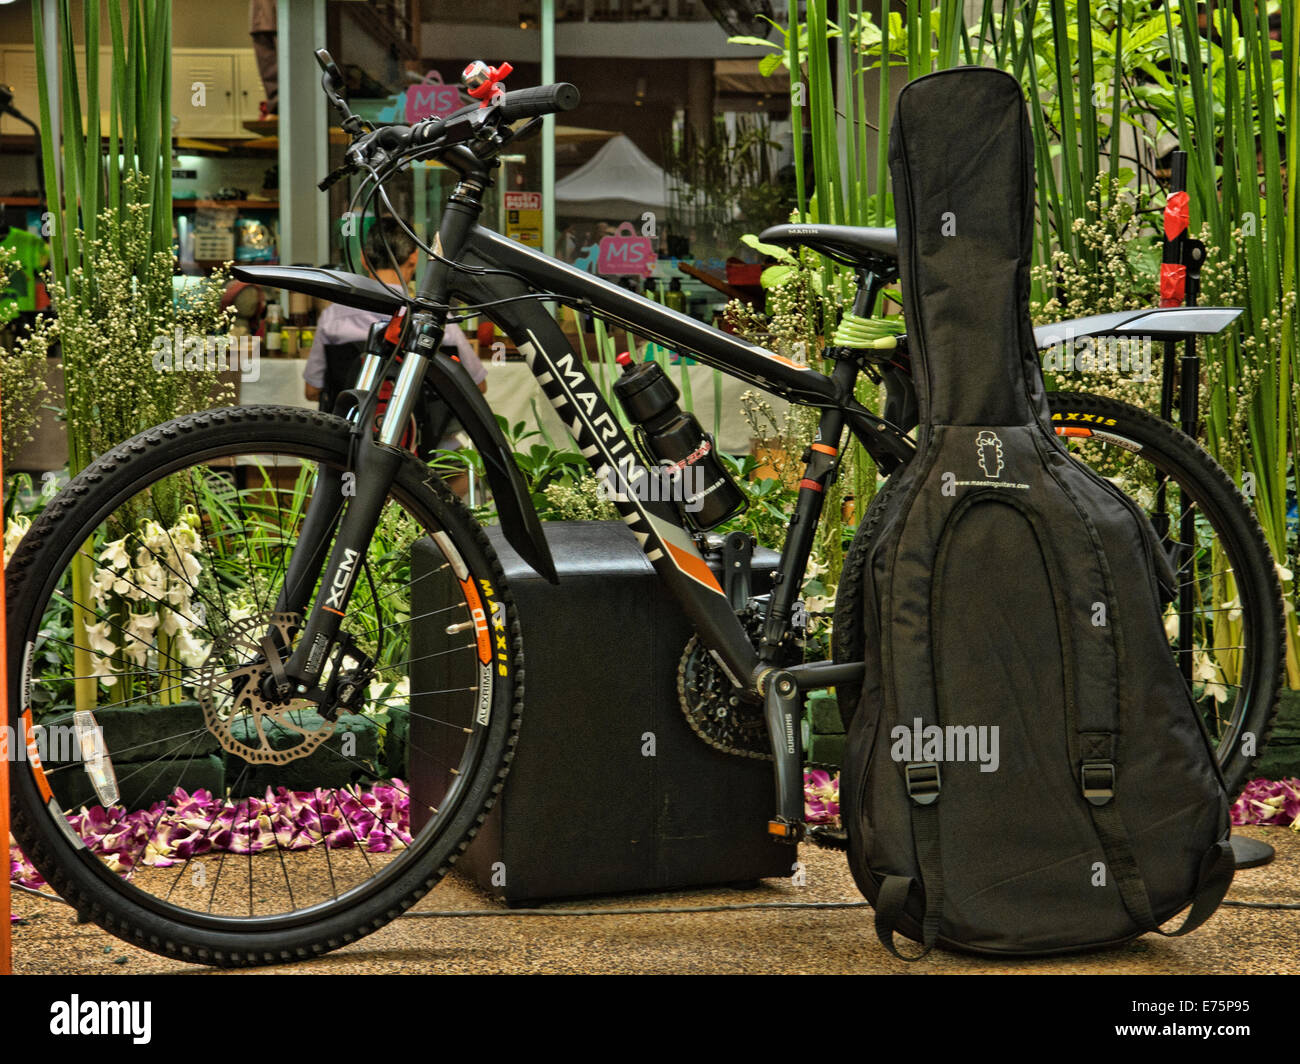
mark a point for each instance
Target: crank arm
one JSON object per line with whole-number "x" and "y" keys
{"x": 782, "y": 710}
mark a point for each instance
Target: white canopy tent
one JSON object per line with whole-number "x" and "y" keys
{"x": 616, "y": 184}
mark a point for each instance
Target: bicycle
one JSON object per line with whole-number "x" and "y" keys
{"x": 248, "y": 574}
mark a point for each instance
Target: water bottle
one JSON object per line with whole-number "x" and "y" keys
{"x": 688, "y": 461}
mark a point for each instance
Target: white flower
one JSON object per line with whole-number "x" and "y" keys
{"x": 142, "y": 626}
{"x": 185, "y": 538}
{"x": 1209, "y": 673}
{"x": 98, "y": 638}
{"x": 155, "y": 536}
{"x": 191, "y": 566}
{"x": 192, "y": 652}
{"x": 151, "y": 579}
{"x": 181, "y": 620}
{"x": 14, "y": 532}
{"x": 115, "y": 554}
{"x": 100, "y": 585}
{"x": 102, "y": 668}
{"x": 178, "y": 593}
{"x": 1283, "y": 573}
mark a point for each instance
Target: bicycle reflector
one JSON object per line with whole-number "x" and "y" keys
{"x": 94, "y": 758}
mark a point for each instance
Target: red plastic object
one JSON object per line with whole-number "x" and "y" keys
{"x": 744, "y": 273}
{"x": 481, "y": 80}
{"x": 623, "y": 359}
{"x": 1176, "y": 215}
{"x": 393, "y": 334}
{"x": 1173, "y": 284}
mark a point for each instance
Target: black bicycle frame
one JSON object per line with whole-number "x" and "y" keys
{"x": 504, "y": 277}
{"x": 659, "y": 527}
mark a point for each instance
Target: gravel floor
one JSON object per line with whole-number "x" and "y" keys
{"x": 1235, "y": 941}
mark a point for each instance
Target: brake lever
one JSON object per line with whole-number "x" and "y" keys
{"x": 325, "y": 184}
{"x": 525, "y": 131}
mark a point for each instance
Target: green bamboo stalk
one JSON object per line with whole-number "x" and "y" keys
{"x": 1070, "y": 171}
{"x": 1115, "y": 127}
{"x": 58, "y": 246}
{"x": 1051, "y": 208}
{"x": 882, "y": 122}
{"x": 830, "y": 208}
{"x": 1290, "y": 353}
{"x": 1088, "y": 135}
{"x": 796, "y": 109}
{"x": 94, "y": 160}
{"x": 858, "y": 68}
{"x": 853, "y": 131}
{"x": 130, "y": 85}
{"x": 162, "y": 188}
{"x": 115, "y": 109}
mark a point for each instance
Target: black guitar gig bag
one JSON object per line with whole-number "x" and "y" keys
{"x": 1027, "y": 771}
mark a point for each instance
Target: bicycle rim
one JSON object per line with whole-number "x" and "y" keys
{"x": 175, "y": 578}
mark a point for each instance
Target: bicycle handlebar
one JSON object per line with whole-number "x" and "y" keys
{"x": 461, "y": 125}
{"x": 542, "y": 100}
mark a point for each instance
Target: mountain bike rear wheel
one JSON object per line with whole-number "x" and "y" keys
{"x": 1236, "y": 653}
{"x": 214, "y": 823}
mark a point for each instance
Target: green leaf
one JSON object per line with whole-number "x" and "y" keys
{"x": 773, "y": 250}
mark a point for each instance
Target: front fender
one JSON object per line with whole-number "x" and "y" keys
{"x": 518, "y": 516}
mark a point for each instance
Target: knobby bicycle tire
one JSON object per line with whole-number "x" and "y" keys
{"x": 102, "y": 896}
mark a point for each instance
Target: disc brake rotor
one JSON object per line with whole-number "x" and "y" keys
{"x": 230, "y": 689}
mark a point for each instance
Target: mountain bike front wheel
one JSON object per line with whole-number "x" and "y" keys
{"x": 168, "y": 794}
{"x": 1226, "y": 630}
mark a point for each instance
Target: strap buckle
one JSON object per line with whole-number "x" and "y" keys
{"x": 922, "y": 781}
{"x": 1097, "y": 779}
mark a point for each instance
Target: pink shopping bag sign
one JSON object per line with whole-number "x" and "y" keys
{"x": 430, "y": 98}
{"x": 626, "y": 253}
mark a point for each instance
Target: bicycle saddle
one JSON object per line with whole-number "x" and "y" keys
{"x": 852, "y": 245}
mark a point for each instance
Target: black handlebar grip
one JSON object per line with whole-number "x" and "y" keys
{"x": 393, "y": 138}
{"x": 542, "y": 100}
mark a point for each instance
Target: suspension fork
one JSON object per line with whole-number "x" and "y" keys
{"x": 377, "y": 461}
{"x": 327, "y": 496}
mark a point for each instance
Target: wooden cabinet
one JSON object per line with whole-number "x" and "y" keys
{"x": 248, "y": 84}
{"x": 18, "y": 70}
{"x": 203, "y": 94}
{"x": 214, "y": 90}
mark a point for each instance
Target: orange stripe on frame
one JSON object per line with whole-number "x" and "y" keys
{"x": 694, "y": 566}
{"x": 825, "y": 448}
